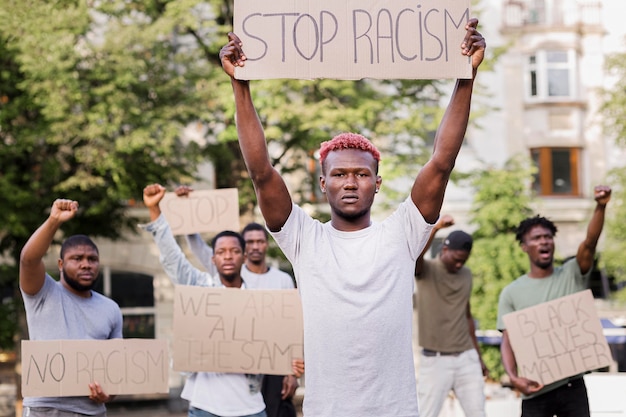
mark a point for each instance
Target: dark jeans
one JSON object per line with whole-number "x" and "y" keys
{"x": 569, "y": 400}
{"x": 274, "y": 404}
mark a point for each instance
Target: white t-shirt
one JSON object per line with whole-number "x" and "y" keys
{"x": 222, "y": 394}
{"x": 356, "y": 290}
{"x": 273, "y": 279}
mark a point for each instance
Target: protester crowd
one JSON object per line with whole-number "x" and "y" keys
{"x": 355, "y": 277}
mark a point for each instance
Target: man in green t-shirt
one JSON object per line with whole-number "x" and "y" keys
{"x": 545, "y": 282}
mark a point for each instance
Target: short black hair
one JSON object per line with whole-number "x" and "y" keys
{"x": 229, "y": 233}
{"x": 527, "y": 224}
{"x": 255, "y": 226}
{"x": 76, "y": 240}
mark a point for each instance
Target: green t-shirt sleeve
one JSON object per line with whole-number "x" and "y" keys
{"x": 505, "y": 306}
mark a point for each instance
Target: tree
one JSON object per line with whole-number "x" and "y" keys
{"x": 614, "y": 112}
{"x": 501, "y": 201}
{"x": 86, "y": 117}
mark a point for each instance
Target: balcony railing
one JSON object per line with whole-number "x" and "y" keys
{"x": 539, "y": 14}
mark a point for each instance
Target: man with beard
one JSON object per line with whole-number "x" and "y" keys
{"x": 67, "y": 309}
{"x": 209, "y": 394}
{"x": 355, "y": 276}
{"x": 545, "y": 282}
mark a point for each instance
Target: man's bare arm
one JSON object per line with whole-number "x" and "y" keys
{"x": 430, "y": 185}
{"x": 32, "y": 269}
{"x": 587, "y": 249}
{"x": 271, "y": 191}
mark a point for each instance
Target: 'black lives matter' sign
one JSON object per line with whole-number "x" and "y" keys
{"x": 558, "y": 339}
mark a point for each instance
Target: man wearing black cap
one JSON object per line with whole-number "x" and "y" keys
{"x": 450, "y": 358}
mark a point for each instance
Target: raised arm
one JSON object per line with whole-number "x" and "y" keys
{"x": 587, "y": 249}
{"x": 32, "y": 268}
{"x": 445, "y": 221}
{"x": 430, "y": 185}
{"x": 271, "y": 191}
{"x": 172, "y": 258}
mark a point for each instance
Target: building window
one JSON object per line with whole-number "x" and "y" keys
{"x": 557, "y": 171}
{"x": 551, "y": 75}
{"x": 134, "y": 293}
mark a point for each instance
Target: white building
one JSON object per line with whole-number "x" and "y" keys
{"x": 546, "y": 91}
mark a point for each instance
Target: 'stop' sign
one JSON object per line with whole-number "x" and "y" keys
{"x": 352, "y": 39}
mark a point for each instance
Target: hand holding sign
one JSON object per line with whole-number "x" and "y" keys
{"x": 97, "y": 394}
{"x": 353, "y": 39}
{"x": 557, "y": 339}
{"x": 231, "y": 55}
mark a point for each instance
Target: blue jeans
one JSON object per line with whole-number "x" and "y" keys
{"x": 53, "y": 412}
{"x": 196, "y": 412}
{"x": 569, "y": 400}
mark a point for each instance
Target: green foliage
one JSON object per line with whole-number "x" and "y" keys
{"x": 92, "y": 106}
{"x": 614, "y": 106}
{"x": 614, "y": 113}
{"x": 493, "y": 361}
{"x": 501, "y": 201}
{"x": 613, "y": 259}
{"x": 9, "y": 306}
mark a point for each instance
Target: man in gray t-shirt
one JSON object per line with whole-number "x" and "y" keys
{"x": 67, "y": 309}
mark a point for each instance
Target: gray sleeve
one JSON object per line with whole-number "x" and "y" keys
{"x": 202, "y": 252}
{"x": 172, "y": 258}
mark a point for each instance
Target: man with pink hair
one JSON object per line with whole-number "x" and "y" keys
{"x": 355, "y": 276}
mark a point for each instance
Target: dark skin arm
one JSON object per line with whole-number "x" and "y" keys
{"x": 32, "y": 269}
{"x": 152, "y": 196}
{"x": 430, "y": 184}
{"x": 587, "y": 249}
{"x": 524, "y": 385}
{"x": 271, "y": 191}
{"x": 98, "y": 395}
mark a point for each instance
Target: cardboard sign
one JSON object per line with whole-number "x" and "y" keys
{"x": 352, "y": 39}
{"x": 237, "y": 331}
{"x": 202, "y": 211}
{"x": 558, "y": 339}
{"x": 62, "y": 368}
